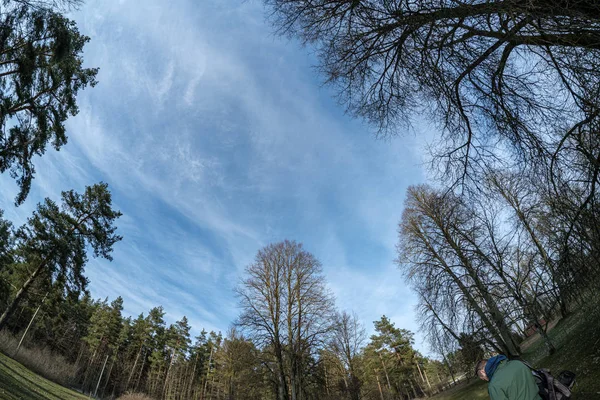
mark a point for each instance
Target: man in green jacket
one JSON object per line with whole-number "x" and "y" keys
{"x": 508, "y": 380}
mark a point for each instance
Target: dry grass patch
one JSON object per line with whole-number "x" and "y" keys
{"x": 19, "y": 383}
{"x": 40, "y": 360}
{"x": 134, "y": 396}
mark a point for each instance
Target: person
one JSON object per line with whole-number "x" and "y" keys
{"x": 508, "y": 379}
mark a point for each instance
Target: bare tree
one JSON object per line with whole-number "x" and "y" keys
{"x": 515, "y": 255}
{"x": 287, "y": 308}
{"x": 347, "y": 341}
{"x": 516, "y": 73}
{"x": 437, "y": 260}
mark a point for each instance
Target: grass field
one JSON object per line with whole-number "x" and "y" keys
{"x": 577, "y": 339}
{"x": 17, "y": 382}
{"x": 474, "y": 390}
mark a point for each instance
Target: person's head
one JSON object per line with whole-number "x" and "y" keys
{"x": 480, "y": 370}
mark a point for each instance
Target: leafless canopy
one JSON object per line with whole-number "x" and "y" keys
{"x": 500, "y": 77}
{"x": 286, "y": 307}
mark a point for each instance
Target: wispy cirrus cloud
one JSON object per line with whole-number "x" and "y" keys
{"x": 216, "y": 139}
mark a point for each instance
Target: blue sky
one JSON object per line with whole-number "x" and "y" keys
{"x": 216, "y": 138}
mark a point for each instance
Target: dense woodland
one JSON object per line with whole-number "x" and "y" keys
{"x": 503, "y": 239}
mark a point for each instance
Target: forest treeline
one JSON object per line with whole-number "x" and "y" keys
{"x": 289, "y": 342}
{"x": 503, "y": 240}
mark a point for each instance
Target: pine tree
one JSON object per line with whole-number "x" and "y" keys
{"x": 55, "y": 239}
{"x": 41, "y": 72}
{"x": 140, "y": 336}
{"x": 157, "y": 352}
{"x": 390, "y": 352}
{"x": 177, "y": 344}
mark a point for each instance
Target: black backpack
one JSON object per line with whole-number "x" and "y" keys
{"x": 551, "y": 388}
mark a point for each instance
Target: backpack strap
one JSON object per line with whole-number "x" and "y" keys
{"x": 550, "y": 384}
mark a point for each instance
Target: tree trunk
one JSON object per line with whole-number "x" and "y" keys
{"x": 166, "y": 384}
{"x": 556, "y": 279}
{"x": 426, "y": 380}
{"x": 207, "y": 373}
{"x": 449, "y": 368}
{"x": 326, "y": 382}
{"x": 212, "y": 385}
{"x": 88, "y": 378}
{"x": 20, "y": 293}
{"x": 531, "y": 308}
{"x": 134, "y": 365}
{"x": 183, "y": 381}
{"x": 156, "y": 383}
{"x": 100, "y": 378}
{"x": 29, "y": 325}
{"x": 379, "y": 385}
{"x": 294, "y": 376}
{"x": 190, "y": 389}
{"x": 495, "y": 313}
{"x": 387, "y": 377}
{"x": 413, "y": 388}
{"x": 137, "y": 383}
{"x": 112, "y": 364}
{"x": 544, "y": 335}
{"x": 496, "y": 326}
{"x": 282, "y": 390}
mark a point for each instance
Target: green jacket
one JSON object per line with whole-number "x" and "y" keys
{"x": 513, "y": 380}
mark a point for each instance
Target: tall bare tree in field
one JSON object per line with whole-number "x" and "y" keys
{"x": 437, "y": 259}
{"x": 287, "y": 308}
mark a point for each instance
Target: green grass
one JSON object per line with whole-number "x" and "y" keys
{"x": 578, "y": 349}
{"x": 474, "y": 390}
{"x": 577, "y": 339}
{"x": 17, "y": 382}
